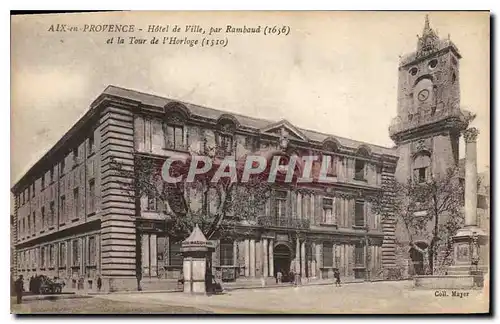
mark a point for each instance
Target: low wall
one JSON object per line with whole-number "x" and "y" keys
{"x": 444, "y": 282}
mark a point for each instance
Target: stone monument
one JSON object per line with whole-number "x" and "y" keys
{"x": 470, "y": 239}
{"x": 468, "y": 266}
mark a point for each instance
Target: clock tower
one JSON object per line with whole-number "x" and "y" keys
{"x": 429, "y": 119}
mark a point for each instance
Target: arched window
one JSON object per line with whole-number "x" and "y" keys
{"x": 421, "y": 168}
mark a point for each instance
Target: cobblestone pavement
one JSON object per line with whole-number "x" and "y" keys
{"x": 358, "y": 298}
{"x": 97, "y": 305}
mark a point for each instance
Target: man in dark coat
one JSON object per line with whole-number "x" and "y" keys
{"x": 336, "y": 274}
{"x": 19, "y": 287}
{"x": 99, "y": 283}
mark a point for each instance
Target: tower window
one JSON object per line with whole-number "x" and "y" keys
{"x": 421, "y": 174}
{"x": 421, "y": 168}
{"x": 453, "y": 78}
{"x": 433, "y": 63}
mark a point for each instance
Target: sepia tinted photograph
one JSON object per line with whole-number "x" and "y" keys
{"x": 250, "y": 162}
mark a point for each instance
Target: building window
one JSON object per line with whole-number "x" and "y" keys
{"x": 226, "y": 253}
{"x": 359, "y": 255}
{"x": 52, "y": 214}
{"x": 51, "y": 256}
{"x": 76, "y": 203}
{"x": 175, "y": 256}
{"x": 34, "y": 222}
{"x": 62, "y": 255}
{"x": 63, "y": 208}
{"x": 359, "y": 213}
{"x": 174, "y": 138}
{"x": 327, "y": 254}
{"x": 24, "y": 198}
{"x": 75, "y": 156}
{"x": 52, "y": 175}
{"x": 91, "y": 143}
{"x": 29, "y": 225}
{"x": 42, "y": 257}
{"x": 92, "y": 251}
{"x": 33, "y": 191}
{"x": 359, "y": 170}
{"x": 152, "y": 203}
{"x": 280, "y": 206}
{"x": 328, "y": 217}
{"x": 92, "y": 195}
{"x": 331, "y": 171}
{"x": 43, "y": 182}
{"x": 482, "y": 202}
{"x": 225, "y": 146}
{"x": 62, "y": 165}
{"x": 75, "y": 255}
{"x": 421, "y": 168}
{"x": 43, "y": 217}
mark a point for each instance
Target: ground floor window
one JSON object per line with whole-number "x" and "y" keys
{"x": 359, "y": 254}
{"x": 226, "y": 253}
{"x": 327, "y": 254}
{"x": 175, "y": 256}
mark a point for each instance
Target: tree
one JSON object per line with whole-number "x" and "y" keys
{"x": 431, "y": 209}
{"x": 224, "y": 203}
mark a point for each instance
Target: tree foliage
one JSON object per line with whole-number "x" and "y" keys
{"x": 224, "y": 204}
{"x": 431, "y": 209}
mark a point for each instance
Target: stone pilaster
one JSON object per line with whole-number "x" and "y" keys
{"x": 297, "y": 255}
{"x": 271, "y": 258}
{"x": 303, "y": 258}
{"x": 265, "y": 260}
{"x": 247, "y": 258}
{"x": 252, "y": 257}
{"x": 314, "y": 260}
{"x": 152, "y": 255}
{"x": 145, "y": 255}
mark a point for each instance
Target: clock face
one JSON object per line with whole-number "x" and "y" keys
{"x": 423, "y": 95}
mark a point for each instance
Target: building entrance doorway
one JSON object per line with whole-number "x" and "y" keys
{"x": 282, "y": 259}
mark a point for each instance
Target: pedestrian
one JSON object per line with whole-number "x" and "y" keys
{"x": 279, "y": 277}
{"x": 99, "y": 283}
{"x": 19, "y": 286}
{"x": 30, "y": 285}
{"x": 336, "y": 274}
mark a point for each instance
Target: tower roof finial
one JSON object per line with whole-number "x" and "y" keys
{"x": 427, "y": 27}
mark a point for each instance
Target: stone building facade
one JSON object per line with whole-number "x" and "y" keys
{"x": 73, "y": 219}
{"x": 75, "y": 222}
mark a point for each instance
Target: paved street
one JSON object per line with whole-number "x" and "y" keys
{"x": 96, "y": 305}
{"x": 362, "y": 298}
{"x": 357, "y": 298}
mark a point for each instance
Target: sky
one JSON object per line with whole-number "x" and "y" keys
{"x": 335, "y": 72}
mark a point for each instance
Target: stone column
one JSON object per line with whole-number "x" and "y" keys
{"x": 297, "y": 255}
{"x": 152, "y": 255}
{"x": 313, "y": 264}
{"x": 303, "y": 258}
{"x": 265, "y": 268}
{"x": 247, "y": 258}
{"x": 271, "y": 258}
{"x": 252, "y": 258}
{"x": 318, "y": 259}
{"x": 235, "y": 253}
{"x": 470, "y": 137}
{"x": 145, "y": 255}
